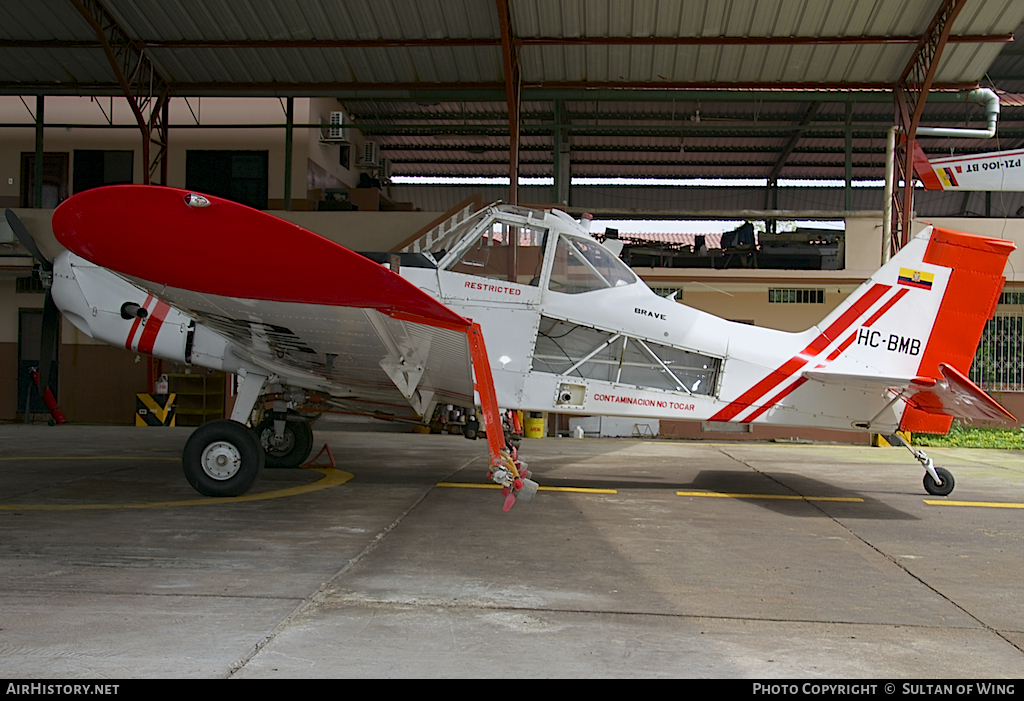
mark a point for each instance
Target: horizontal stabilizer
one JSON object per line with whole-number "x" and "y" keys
{"x": 956, "y": 395}
{"x": 952, "y": 394}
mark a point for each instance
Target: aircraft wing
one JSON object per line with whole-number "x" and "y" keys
{"x": 951, "y": 394}
{"x": 292, "y": 303}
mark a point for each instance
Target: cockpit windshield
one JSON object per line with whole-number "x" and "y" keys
{"x": 582, "y": 265}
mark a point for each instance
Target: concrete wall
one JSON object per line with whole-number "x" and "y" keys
{"x": 99, "y": 113}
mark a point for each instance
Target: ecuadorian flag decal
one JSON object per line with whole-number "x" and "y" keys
{"x": 916, "y": 278}
{"x": 947, "y": 177}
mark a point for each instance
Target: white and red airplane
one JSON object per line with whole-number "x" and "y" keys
{"x": 996, "y": 171}
{"x": 515, "y": 308}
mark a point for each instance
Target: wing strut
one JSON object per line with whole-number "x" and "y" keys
{"x": 505, "y": 469}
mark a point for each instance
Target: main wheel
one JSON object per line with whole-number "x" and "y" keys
{"x": 293, "y": 450}
{"x": 222, "y": 458}
{"x": 939, "y": 490}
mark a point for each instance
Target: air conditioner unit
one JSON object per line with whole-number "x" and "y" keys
{"x": 337, "y": 132}
{"x": 371, "y": 154}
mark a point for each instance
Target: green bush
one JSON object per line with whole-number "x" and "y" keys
{"x": 961, "y": 436}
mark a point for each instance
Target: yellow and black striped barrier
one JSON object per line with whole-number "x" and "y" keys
{"x": 154, "y": 409}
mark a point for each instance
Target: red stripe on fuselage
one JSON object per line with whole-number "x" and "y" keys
{"x": 791, "y": 366}
{"x": 152, "y": 327}
{"x": 886, "y": 307}
{"x": 774, "y": 400}
{"x": 842, "y": 347}
{"x": 137, "y": 323}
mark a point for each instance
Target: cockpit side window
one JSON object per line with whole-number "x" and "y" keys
{"x": 582, "y": 266}
{"x": 488, "y": 255}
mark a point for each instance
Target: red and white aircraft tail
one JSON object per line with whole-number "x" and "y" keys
{"x": 914, "y": 327}
{"x": 998, "y": 171}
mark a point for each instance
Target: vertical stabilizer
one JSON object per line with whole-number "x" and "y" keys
{"x": 926, "y": 308}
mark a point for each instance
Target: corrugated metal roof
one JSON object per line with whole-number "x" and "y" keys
{"x": 425, "y": 78}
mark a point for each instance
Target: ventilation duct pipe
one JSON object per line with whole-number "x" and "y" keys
{"x": 982, "y": 96}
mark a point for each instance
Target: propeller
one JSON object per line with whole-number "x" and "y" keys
{"x": 50, "y": 336}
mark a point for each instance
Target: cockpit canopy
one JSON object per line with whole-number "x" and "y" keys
{"x": 550, "y": 248}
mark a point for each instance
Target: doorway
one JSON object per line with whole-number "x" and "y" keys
{"x": 30, "y": 328}
{"x": 55, "y": 179}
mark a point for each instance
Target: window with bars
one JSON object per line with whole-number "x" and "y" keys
{"x": 1014, "y": 297}
{"x": 796, "y": 296}
{"x": 999, "y": 363}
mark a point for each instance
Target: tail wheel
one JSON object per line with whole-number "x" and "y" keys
{"x": 295, "y": 447}
{"x": 939, "y": 490}
{"x": 222, "y": 458}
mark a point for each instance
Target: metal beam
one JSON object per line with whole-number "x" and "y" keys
{"x": 910, "y": 94}
{"x": 494, "y": 92}
{"x": 133, "y": 72}
{"x": 812, "y": 109}
{"x": 513, "y": 85}
{"x": 459, "y": 42}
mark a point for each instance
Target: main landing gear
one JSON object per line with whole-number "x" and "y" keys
{"x": 938, "y": 481}
{"x": 224, "y": 457}
{"x": 287, "y": 445}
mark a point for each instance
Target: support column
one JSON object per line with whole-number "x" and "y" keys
{"x": 290, "y": 120}
{"x": 37, "y": 182}
{"x": 560, "y": 153}
{"x": 910, "y": 94}
{"x": 849, "y": 156}
{"x": 510, "y": 56}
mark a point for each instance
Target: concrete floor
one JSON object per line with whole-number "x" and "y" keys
{"x": 110, "y": 566}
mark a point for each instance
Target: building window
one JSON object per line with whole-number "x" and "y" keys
{"x": 97, "y": 168}
{"x": 999, "y": 363}
{"x": 240, "y": 176}
{"x": 1015, "y": 298}
{"x": 668, "y": 292}
{"x": 28, "y": 285}
{"x": 796, "y": 296}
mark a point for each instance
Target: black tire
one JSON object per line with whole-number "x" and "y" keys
{"x": 471, "y": 430}
{"x": 222, "y": 458}
{"x": 939, "y": 490}
{"x": 298, "y": 443}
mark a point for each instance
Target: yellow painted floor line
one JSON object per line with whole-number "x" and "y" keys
{"x": 542, "y": 488}
{"x": 984, "y": 504}
{"x": 147, "y": 458}
{"x": 790, "y": 497}
{"x": 331, "y": 478}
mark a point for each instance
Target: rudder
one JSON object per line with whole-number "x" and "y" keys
{"x": 972, "y": 292}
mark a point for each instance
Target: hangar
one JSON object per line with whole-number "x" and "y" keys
{"x": 689, "y": 559}
{"x": 373, "y": 123}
